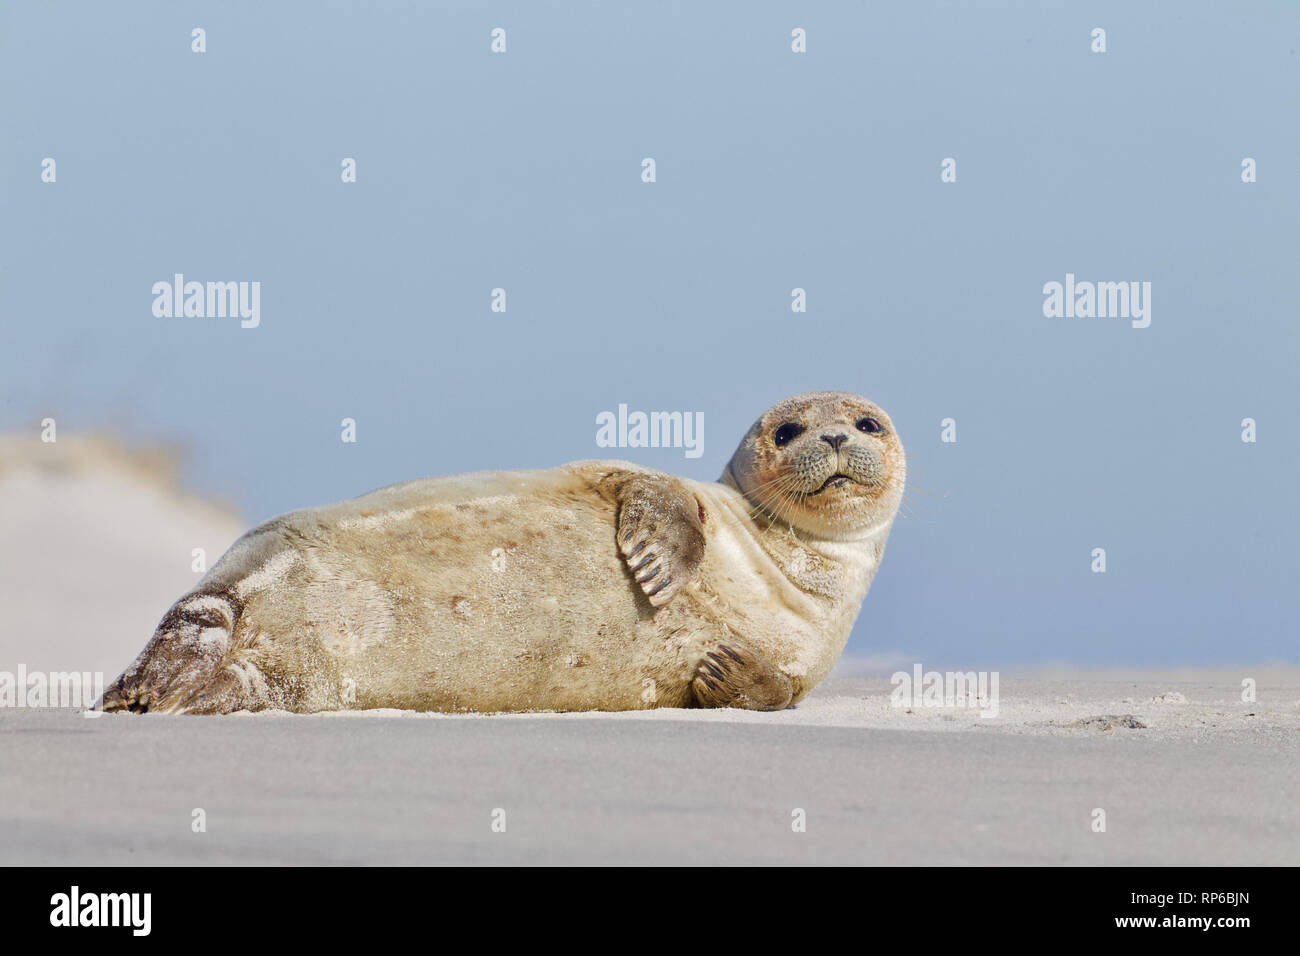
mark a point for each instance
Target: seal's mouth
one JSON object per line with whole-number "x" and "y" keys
{"x": 837, "y": 480}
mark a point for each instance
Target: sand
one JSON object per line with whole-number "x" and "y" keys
{"x": 1202, "y": 783}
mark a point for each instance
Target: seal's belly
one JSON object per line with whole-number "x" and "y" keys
{"x": 511, "y": 601}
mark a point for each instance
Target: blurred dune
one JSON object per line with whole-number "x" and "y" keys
{"x": 96, "y": 542}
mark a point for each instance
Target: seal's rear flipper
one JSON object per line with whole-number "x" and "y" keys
{"x": 734, "y": 676}
{"x": 182, "y": 656}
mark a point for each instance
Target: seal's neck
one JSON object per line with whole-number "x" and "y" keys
{"x": 839, "y": 569}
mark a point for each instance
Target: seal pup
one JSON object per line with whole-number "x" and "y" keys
{"x": 599, "y": 585}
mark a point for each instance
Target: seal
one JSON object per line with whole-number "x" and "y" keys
{"x": 599, "y": 585}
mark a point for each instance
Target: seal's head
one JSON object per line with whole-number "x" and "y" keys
{"x": 829, "y": 464}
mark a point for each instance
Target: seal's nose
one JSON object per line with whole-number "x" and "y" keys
{"x": 835, "y": 441}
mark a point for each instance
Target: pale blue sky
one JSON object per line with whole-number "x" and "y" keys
{"x": 775, "y": 170}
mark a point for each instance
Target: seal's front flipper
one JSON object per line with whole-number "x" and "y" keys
{"x": 732, "y": 675}
{"x": 661, "y": 534}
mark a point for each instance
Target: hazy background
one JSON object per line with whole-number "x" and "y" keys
{"x": 775, "y": 170}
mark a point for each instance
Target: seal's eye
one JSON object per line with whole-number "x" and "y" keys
{"x": 869, "y": 425}
{"x": 787, "y": 433}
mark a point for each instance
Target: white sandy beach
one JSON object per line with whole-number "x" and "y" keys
{"x": 96, "y": 546}
{"x": 1202, "y": 783}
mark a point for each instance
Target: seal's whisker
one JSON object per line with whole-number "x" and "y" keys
{"x": 911, "y": 486}
{"x": 778, "y": 496}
